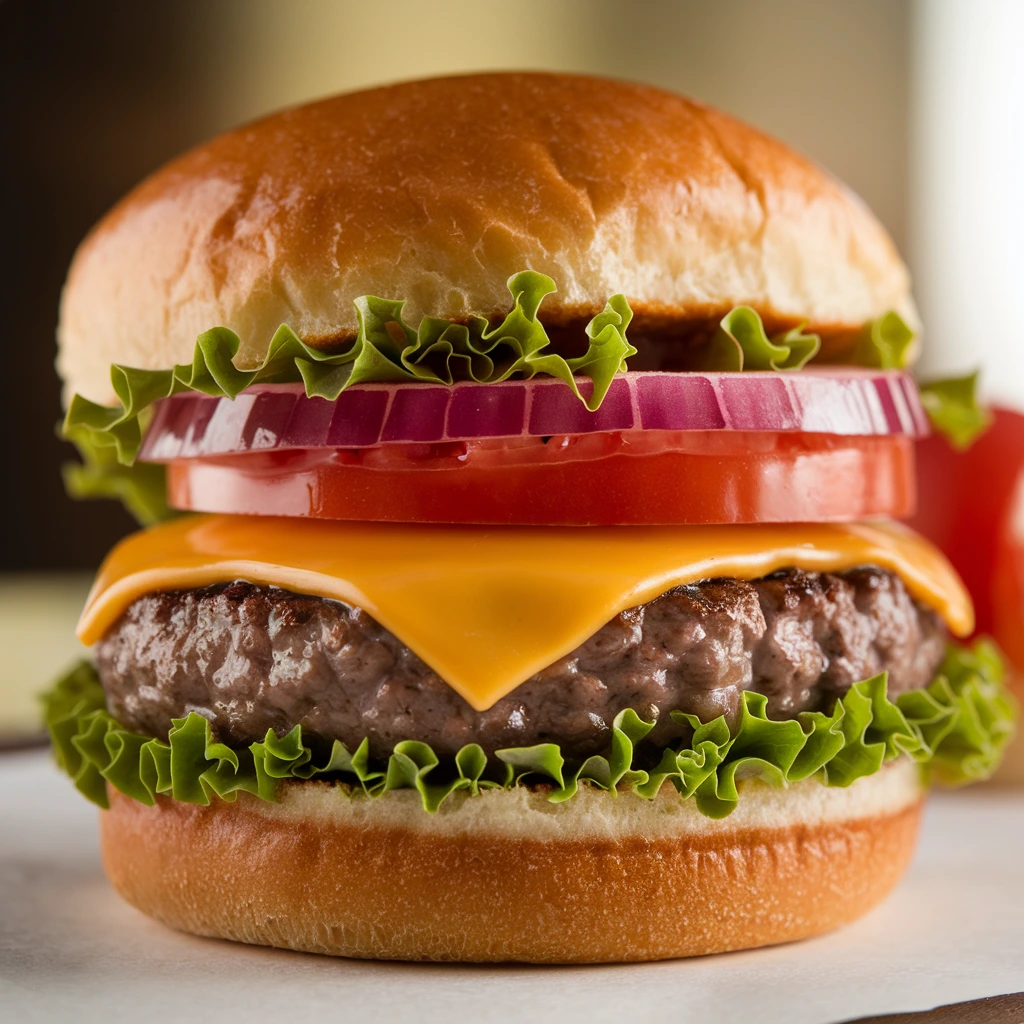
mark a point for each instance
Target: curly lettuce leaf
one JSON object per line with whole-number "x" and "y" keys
{"x": 886, "y": 343}
{"x": 953, "y": 408}
{"x": 958, "y": 727}
{"x": 141, "y": 487}
{"x": 741, "y": 343}
{"x": 385, "y": 349}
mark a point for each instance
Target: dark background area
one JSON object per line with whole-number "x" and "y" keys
{"x": 93, "y": 97}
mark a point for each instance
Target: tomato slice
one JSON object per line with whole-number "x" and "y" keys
{"x": 630, "y": 478}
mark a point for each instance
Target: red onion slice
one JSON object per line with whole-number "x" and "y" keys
{"x": 279, "y": 416}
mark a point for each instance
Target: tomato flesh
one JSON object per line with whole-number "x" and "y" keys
{"x": 628, "y": 478}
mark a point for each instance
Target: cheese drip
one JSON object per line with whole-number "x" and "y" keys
{"x": 487, "y": 607}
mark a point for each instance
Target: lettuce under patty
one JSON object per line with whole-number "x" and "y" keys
{"x": 957, "y": 728}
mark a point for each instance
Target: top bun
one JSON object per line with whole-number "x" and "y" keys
{"x": 437, "y": 191}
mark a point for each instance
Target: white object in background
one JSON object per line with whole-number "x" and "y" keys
{"x": 966, "y": 199}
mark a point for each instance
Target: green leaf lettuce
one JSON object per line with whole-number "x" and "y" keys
{"x": 953, "y": 408}
{"x": 386, "y": 349}
{"x": 741, "y": 343}
{"x": 886, "y": 343}
{"x": 141, "y": 487}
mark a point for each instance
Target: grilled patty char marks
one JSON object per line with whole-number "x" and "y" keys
{"x": 252, "y": 658}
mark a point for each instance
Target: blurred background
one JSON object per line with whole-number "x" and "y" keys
{"x": 917, "y": 104}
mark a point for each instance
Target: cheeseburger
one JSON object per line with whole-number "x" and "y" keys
{"x": 520, "y": 457}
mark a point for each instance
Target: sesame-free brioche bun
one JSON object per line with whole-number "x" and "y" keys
{"x": 508, "y": 876}
{"x": 437, "y": 191}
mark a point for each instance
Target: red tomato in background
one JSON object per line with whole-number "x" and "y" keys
{"x": 971, "y": 504}
{"x": 1008, "y": 580}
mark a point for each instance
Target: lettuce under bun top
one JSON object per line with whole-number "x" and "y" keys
{"x": 437, "y": 191}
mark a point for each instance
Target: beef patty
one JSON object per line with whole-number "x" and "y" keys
{"x": 253, "y": 658}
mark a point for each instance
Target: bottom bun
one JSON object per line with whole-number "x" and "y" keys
{"x": 508, "y": 875}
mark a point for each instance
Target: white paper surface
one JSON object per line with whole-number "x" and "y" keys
{"x": 70, "y": 949}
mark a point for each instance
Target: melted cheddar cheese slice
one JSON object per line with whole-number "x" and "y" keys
{"x": 487, "y": 607}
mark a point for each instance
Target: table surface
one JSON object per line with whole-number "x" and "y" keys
{"x": 71, "y": 949}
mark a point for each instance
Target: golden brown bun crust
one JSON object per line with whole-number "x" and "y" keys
{"x": 437, "y": 191}
{"x": 345, "y": 885}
